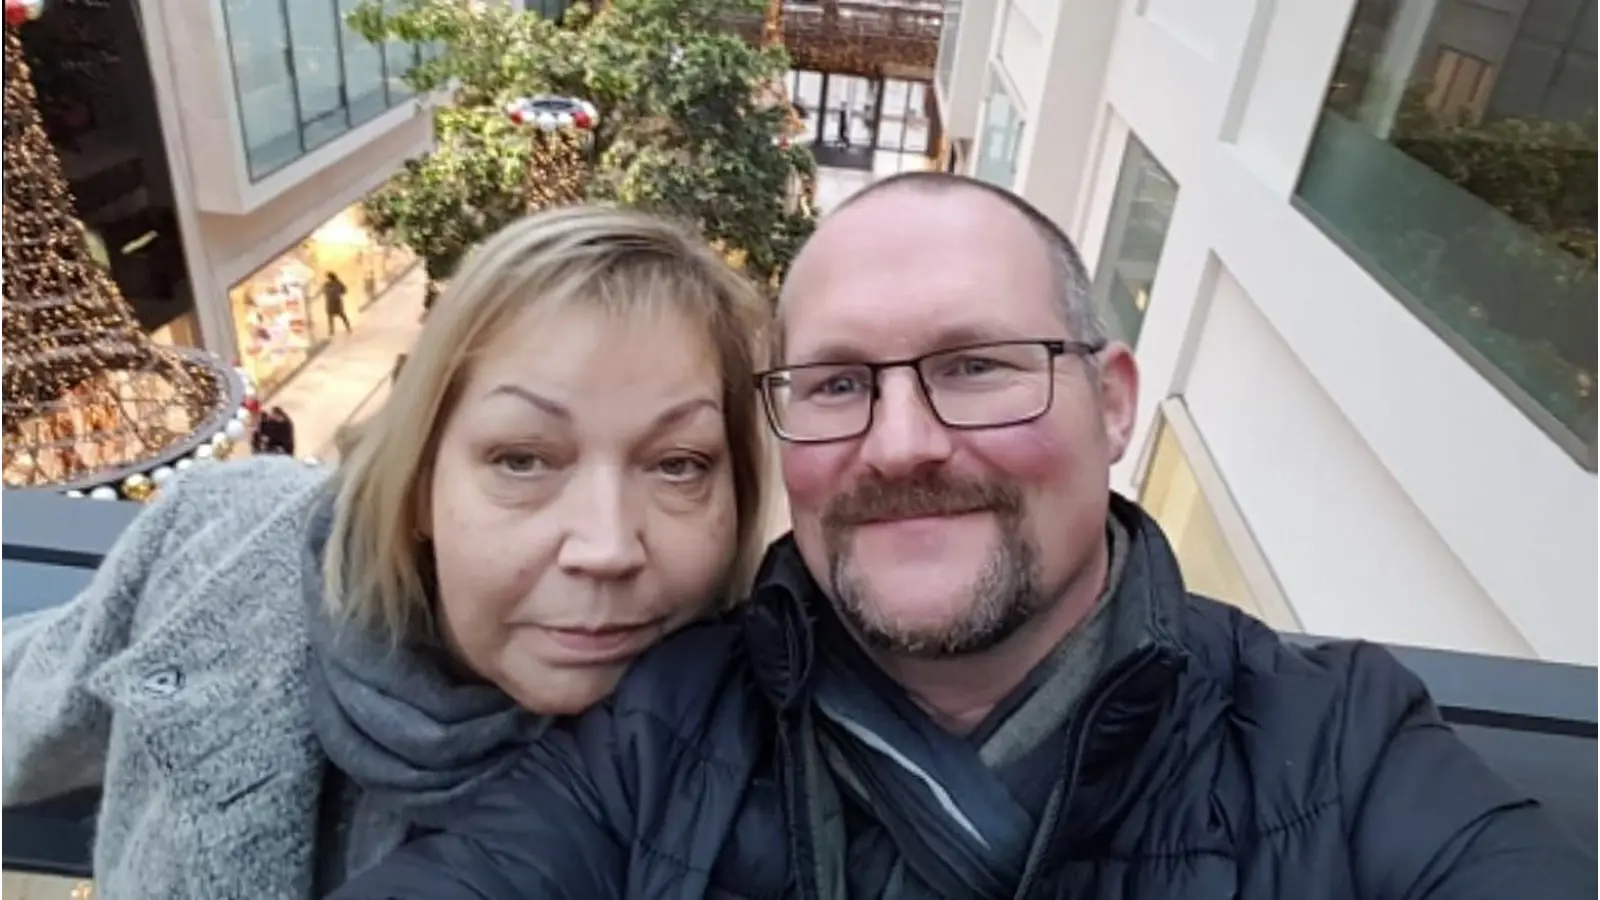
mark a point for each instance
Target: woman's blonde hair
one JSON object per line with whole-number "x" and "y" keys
{"x": 615, "y": 261}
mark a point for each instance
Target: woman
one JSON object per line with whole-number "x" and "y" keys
{"x": 569, "y": 468}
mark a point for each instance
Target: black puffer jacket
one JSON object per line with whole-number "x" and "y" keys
{"x": 1213, "y": 762}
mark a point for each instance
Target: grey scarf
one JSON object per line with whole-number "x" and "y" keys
{"x": 950, "y": 816}
{"x": 405, "y": 725}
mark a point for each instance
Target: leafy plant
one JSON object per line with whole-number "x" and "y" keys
{"x": 689, "y": 126}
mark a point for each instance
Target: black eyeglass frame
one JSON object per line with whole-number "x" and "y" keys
{"x": 1054, "y": 347}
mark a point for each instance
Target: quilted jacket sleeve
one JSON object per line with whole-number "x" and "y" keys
{"x": 1428, "y": 819}
{"x": 549, "y": 828}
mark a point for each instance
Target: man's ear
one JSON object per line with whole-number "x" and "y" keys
{"x": 1119, "y": 396}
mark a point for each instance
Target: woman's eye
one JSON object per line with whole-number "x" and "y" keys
{"x": 519, "y": 462}
{"x": 683, "y": 468}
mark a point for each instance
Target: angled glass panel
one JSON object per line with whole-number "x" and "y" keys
{"x": 258, "y": 49}
{"x": 318, "y": 70}
{"x": 398, "y": 58}
{"x": 1141, "y": 213}
{"x": 1455, "y": 161}
{"x": 364, "y": 79}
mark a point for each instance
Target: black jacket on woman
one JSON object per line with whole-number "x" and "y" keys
{"x": 1210, "y": 760}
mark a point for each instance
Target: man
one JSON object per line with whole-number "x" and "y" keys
{"x": 972, "y": 671}
{"x": 274, "y": 433}
{"x": 333, "y": 292}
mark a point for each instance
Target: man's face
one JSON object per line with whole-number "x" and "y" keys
{"x": 934, "y": 541}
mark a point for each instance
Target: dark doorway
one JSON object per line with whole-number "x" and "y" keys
{"x": 97, "y": 103}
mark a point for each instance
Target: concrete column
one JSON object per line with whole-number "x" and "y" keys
{"x": 1055, "y": 161}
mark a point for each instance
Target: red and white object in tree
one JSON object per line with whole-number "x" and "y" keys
{"x": 20, "y": 11}
{"x": 549, "y": 113}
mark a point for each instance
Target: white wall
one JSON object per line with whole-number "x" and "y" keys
{"x": 959, "y": 105}
{"x": 1395, "y": 492}
{"x": 1277, "y": 436}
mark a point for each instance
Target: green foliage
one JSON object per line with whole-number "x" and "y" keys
{"x": 469, "y": 187}
{"x": 687, "y": 123}
{"x": 699, "y": 138}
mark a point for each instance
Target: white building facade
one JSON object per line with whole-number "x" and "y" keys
{"x": 1368, "y": 387}
{"x": 277, "y": 120}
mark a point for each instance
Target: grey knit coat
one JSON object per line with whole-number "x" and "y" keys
{"x": 177, "y": 682}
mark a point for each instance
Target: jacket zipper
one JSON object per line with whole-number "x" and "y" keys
{"x": 1080, "y": 733}
{"x": 800, "y": 837}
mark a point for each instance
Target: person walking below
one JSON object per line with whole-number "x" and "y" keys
{"x": 333, "y": 291}
{"x": 275, "y": 433}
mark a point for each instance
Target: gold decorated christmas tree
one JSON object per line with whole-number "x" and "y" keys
{"x": 90, "y": 400}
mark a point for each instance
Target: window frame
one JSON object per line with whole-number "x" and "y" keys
{"x": 1173, "y": 417}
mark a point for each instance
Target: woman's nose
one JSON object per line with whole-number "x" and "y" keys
{"x": 604, "y": 537}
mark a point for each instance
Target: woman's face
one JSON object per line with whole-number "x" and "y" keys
{"x": 582, "y": 502}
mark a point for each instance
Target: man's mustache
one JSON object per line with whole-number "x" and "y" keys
{"x": 928, "y": 495}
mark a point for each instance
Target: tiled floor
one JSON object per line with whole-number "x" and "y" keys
{"x": 19, "y": 886}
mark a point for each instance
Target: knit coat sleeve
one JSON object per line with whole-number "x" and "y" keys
{"x": 56, "y": 730}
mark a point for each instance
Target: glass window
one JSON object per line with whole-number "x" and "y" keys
{"x": 949, "y": 35}
{"x": 550, "y": 9}
{"x": 319, "y": 78}
{"x": 805, "y": 95}
{"x": 1141, "y": 213}
{"x": 398, "y": 58}
{"x": 364, "y": 78}
{"x": 1001, "y": 137}
{"x": 258, "y": 43}
{"x": 1455, "y": 160}
{"x": 1171, "y": 495}
{"x": 903, "y": 119}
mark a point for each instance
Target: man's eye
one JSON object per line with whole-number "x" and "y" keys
{"x": 841, "y": 385}
{"x": 972, "y": 366}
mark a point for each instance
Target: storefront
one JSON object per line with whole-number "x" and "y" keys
{"x": 279, "y": 313}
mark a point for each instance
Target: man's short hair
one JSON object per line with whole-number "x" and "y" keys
{"x": 1073, "y": 294}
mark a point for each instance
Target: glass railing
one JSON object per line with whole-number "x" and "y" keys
{"x": 1455, "y": 161}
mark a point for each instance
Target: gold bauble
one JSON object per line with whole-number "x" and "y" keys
{"x": 138, "y": 487}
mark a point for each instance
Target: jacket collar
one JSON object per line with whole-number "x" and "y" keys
{"x": 779, "y": 620}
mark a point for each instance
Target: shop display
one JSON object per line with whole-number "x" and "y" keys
{"x": 279, "y": 313}
{"x": 272, "y": 312}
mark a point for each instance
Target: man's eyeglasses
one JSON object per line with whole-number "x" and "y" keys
{"x": 988, "y": 385}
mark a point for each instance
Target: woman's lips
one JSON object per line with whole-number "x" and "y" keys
{"x": 601, "y": 646}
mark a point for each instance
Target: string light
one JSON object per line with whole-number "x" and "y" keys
{"x": 863, "y": 39}
{"x": 89, "y": 399}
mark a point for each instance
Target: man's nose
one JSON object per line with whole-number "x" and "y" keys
{"x": 605, "y": 538}
{"x": 905, "y": 435}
